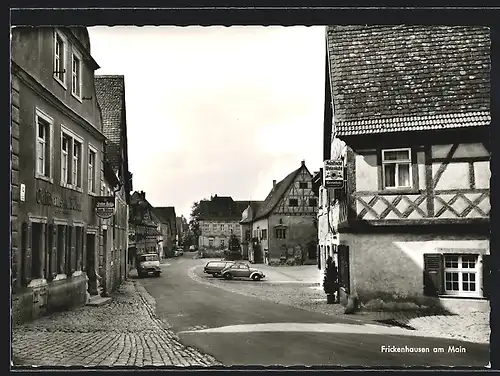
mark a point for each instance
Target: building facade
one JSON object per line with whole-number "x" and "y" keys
{"x": 110, "y": 91}
{"x": 283, "y": 228}
{"x": 144, "y": 236}
{"x": 246, "y": 227}
{"x": 168, "y": 222}
{"x": 219, "y": 219}
{"x": 413, "y": 217}
{"x": 57, "y": 169}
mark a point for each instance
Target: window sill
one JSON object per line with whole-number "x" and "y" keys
{"x": 391, "y": 191}
{"x": 37, "y": 283}
{"x": 43, "y": 177}
{"x": 60, "y": 82}
{"x": 79, "y": 99}
{"x": 73, "y": 188}
{"x": 462, "y": 297}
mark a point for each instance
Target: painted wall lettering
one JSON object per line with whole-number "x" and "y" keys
{"x": 48, "y": 198}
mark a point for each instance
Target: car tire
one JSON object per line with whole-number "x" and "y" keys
{"x": 215, "y": 275}
{"x": 227, "y": 276}
{"x": 256, "y": 277}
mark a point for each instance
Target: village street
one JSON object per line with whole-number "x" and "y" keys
{"x": 183, "y": 318}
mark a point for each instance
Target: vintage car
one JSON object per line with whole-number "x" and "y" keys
{"x": 241, "y": 270}
{"x": 215, "y": 267}
{"x": 148, "y": 264}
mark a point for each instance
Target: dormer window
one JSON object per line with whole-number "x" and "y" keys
{"x": 76, "y": 75}
{"x": 60, "y": 58}
{"x": 396, "y": 166}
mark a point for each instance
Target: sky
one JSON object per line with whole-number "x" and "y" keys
{"x": 216, "y": 110}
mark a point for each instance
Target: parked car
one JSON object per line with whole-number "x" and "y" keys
{"x": 241, "y": 270}
{"x": 148, "y": 264}
{"x": 215, "y": 267}
{"x": 178, "y": 252}
{"x": 192, "y": 248}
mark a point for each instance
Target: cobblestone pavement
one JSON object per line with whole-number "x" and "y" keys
{"x": 472, "y": 326}
{"x": 124, "y": 332}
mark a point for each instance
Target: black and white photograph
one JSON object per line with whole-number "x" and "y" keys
{"x": 267, "y": 196}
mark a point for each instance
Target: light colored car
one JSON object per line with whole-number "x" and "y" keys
{"x": 241, "y": 270}
{"x": 192, "y": 248}
{"x": 148, "y": 264}
{"x": 215, "y": 267}
{"x": 178, "y": 252}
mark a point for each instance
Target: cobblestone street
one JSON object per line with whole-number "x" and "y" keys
{"x": 474, "y": 324}
{"x": 124, "y": 332}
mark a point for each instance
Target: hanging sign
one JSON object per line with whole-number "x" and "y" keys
{"x": 104, "y": 206}
{"x": 334, "y": 173}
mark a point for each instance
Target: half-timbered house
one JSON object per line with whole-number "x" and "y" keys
{"x": 283, "y": 227}
{"x": 413, "y": 106}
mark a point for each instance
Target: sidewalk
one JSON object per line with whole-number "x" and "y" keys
{"x": 124, "y": 332}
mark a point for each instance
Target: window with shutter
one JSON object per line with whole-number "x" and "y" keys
{"x": 433, "y": 274}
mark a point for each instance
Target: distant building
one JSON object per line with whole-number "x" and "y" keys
{"x": 283, "y": 226}
{"x": 219, "y": 219}
{"x": 246, "y": 226}
{"x": 110, "y": 91}
{"x": 57, "y": 150}
{"x": 182, "y": 229}
{"x": 169, "y": 229}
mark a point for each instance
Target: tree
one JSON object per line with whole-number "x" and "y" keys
{"x": 194, "y": 224}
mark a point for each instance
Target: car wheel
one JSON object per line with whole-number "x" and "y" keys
{"x": 227, "y": 276}
{"x": 256, "y": 277}
{"x": 215, "y": 275}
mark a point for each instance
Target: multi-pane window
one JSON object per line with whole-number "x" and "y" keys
{"x": 92, "y": 170}
{"x": 76, "y": 75}
{"x": 71, "y": 160}
{"x": 76, "y": 168}
{"x": 303, "y": 185}
{"x": 60, "y": 58}
{"x": 65, "y": 145}
{"x": 293, "y": 202}
{"x": 222, "y": 227}
{"x": 43, "y": 145}
{"x": 280, "y": 233}
{"x": 396, "y": 165}
{"x": 461, "y": 274}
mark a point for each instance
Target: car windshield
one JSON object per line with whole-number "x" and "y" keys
{"x": 148, "y": 258}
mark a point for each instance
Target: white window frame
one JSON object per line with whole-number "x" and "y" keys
{"x": 78, "y": 95}
{"x": 92, "y": 149}
{"x": 74, "y": 137}
{"x": 48, "y": 154}
{"x": 62, "y": 82}
{"x": 79, "y": 163}
{"x": 65, "y": 176}
{"x": 460, "y": 270}
{"x": 397, "y": 163}
{"x": 222, "y": 227}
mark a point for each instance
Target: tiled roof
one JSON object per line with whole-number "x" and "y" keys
{"x": 276, "y": 194}
{"x": 110, "y": 92}
{"x": 254, "y": 207}
{"x": 222, "y": 208}
{"x": 399, "y": 78}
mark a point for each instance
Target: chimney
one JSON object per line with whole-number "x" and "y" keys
{"x": 274, "y": 183}
{"x": 143, "y": 195}
{"x": 303, "y": 163}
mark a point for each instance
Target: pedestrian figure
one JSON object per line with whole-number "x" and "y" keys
{"x": 330, "y": 282}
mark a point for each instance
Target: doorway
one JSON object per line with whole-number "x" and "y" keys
{"x": 343, "y": 265}
{"x": 90, "y": 259}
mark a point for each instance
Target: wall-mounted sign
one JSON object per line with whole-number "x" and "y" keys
{"x": 47, "y": 198}
{"x": 104, "y": 206}
{"x": 22, "y": 192}
{"x": 334, "y": 174}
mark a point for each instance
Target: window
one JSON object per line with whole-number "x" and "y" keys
{"x": 60, "y": 58}
{"x": 65, "y": 142}
{"x": 248, "y": 233}
{"x": 76, "y": 75}
{"x": 43, "y": 145}
{"x": 461, "y": 274}
{"x": 210, "y": 242}
{"x": 222, "y": 227}
{"x": 71, "y": 159}
{"x": 280, "y": 233}
{"x": 92, "y": 170}
{"x": 313, "y": 202}
{"x": 396, "y": 167}
{"x": 264, "y": 234}
{"x": 303, "y": 185}
{"x": 293, "y": 202}
{"x": 222, "y": 243}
